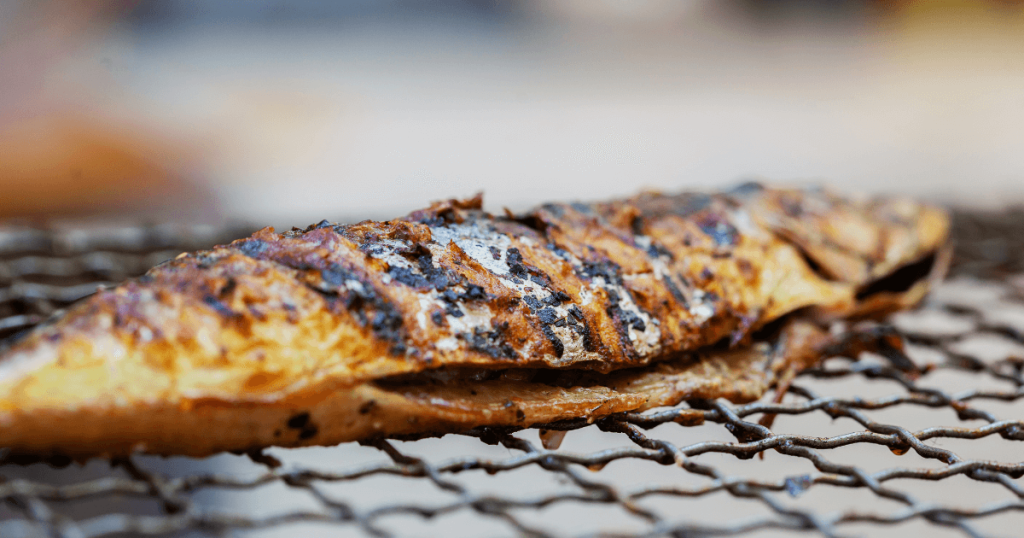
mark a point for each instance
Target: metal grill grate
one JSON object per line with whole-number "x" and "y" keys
{"x": 952, "y": 464}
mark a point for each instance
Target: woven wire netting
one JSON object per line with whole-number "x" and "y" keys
{"x": 859, "y": 447}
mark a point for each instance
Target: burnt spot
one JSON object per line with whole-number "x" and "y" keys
{"x": 605, "y": 269}
{"x": 631, "y": 319}
{"x": 555, "y": 341}
{"x": 576, "y": 313}
{"x": 655, "y": 250}
{"x": 540, "y": 279}
{"x": 547, "y": 315}
{"x": 309, "y": 432}
{"x": 427, "y": 277}
{"x": 364, "y": 303}
{"x": 474, "y": 293}
{"x": 371, "y": 310}
{"x": 298, "y": 421}
{"x": 624, "y": 319}
{"x": 453, "y": 310}
{"x": 228, "y": 287}
{"x": 522, "y": 270}
{"x": 451, "y": 298}
{"x": 512, "y": 255}
{"x": 532, "y": 302}
{"x": 431, "y": 220}
{"x": 558, "y": 251}
{"x": 590, "y": 341}
{"x": 219, "y": 306}
{"x": 367, "y": 407}
{"x": 675, "y": 291}
{"x": 718, "y": 229}
{"x": 253, "y": 248}
{"x": 495, "y": 252}
{"x": 388, "y": 325}
{"x": 437, "y": 318}
{"x": 557, "y": 298}
{"x": 335, "y": 275}
{"x": 520, "y": 415}
{"x": 491, "y": 342}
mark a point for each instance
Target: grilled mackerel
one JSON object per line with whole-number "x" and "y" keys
{"x": 452, "y": 318}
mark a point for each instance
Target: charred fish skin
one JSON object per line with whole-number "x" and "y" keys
{"x": 599, "y": 286}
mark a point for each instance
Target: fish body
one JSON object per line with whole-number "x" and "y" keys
{"x": 369, "y": 329}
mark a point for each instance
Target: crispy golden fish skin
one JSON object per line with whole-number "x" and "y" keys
{"x": 419, "y": 405}
{"x": 278, "y": 323}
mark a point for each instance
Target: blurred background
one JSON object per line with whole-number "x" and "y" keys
{"x": 286, "y": 112}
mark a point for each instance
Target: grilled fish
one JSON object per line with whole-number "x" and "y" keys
{"x": 432, "y": 322}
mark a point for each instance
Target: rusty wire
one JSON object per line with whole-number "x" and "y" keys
{"x": 43, "y": 270}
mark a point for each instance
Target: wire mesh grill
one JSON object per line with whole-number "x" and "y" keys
{"x": 952, "y": 465}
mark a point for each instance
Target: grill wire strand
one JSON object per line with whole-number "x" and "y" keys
{"x": 42, "y": 270}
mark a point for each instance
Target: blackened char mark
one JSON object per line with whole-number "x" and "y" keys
{"x": 492, "y": 342}
{"x": 322, "y": 224}
{"x": 437, "y": 278}
{"x": 252, "y": 248}
{"x": 548, "y": 315}
{"x": 555, "y": 341}
{"x": 557, "y": 298}
{"x": 559, "y": 251}
{"x": 626, "y": 317}
{"x": 365, "y": 303}
{"x": 429, "y": 276}
{"x": 336, "y": 275}
{"x": 229, "y": 286}
{"x": 676, "y": 292}
{"x": 218, "y": 306}
{"x": 298, "y": 420}
{"x": 532, "y": 302}
{"x": 302, "y": 423}
{"x": 606, "y": 269}
{"x": 578, "y": 323}
{"x": 656, "y": 250}
{"x": 623, "y": 320}
{"x": 637, "y": 225}
{"x": 719, "y": 229}
{"x": 520, "y": 269}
